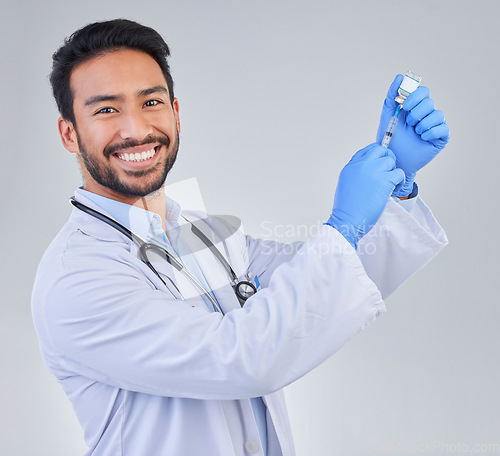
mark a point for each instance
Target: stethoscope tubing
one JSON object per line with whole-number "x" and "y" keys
{"x": 145, "y": 246}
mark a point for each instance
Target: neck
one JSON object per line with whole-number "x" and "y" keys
{"x": 154, "y": 202}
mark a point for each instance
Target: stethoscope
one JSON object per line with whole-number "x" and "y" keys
{"x": 242, "y": 288}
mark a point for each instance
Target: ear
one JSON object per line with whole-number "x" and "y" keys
{"x": 68, "y": 135}
{"x": 175, "y": 107}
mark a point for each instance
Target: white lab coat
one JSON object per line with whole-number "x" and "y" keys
{"x": 151, "y": 374}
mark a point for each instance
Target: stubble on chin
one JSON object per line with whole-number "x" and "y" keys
{"x": 107, "y": 177}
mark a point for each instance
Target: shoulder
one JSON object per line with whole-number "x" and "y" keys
{"x": 83, "y": 236}
{"x": 79, "y": 253}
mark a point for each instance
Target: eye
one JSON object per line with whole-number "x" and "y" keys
{"x": 106, "y": 110}
{"x": 152, "y": 103}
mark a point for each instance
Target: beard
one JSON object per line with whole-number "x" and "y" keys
{"x": 147, "y": 180}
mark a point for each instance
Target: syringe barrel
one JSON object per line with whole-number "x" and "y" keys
{"x": 390, "y": 130}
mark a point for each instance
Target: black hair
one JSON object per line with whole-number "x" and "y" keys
{"x": 100, "y": 38}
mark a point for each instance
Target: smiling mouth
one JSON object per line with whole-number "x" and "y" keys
{"x": 138, "y": 156}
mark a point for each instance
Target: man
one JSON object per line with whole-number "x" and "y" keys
{"x": 161, "y": 360}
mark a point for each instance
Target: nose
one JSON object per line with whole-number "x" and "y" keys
{"x": 134, "y": 125}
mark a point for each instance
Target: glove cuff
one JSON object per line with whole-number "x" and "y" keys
{"x": 407, "y": 188}
{"x": 348, "y": 231}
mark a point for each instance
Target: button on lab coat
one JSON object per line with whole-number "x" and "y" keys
{"x": 151, "y": 371}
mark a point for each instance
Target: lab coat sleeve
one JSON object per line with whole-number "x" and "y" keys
{"x": 266, "y": 255}
{"x": 400, "y": 244}
{"x": 98, "y": 315}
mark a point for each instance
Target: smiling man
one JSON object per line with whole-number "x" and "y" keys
{"x": 187, "y": 354}
{"x": 119, "y": 97}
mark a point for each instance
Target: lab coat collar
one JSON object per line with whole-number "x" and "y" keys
{"x": 137, "y": 219}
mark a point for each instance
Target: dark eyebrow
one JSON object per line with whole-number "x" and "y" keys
{"x": 151, "y": 90}
{"x": 141, "y": 93}
{"x": 100, "y": 98}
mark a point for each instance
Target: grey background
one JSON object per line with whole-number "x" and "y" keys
{"x": 275, "y": 97}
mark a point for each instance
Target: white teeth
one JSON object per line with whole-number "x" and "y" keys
{"x": 137, "y": 157}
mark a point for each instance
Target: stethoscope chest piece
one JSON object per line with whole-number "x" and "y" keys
{"x": 244, "y": 290}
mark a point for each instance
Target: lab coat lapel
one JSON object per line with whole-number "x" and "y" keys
{"x": 185, "y": 289}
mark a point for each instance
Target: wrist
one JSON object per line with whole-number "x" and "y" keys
{"x": 349, "y": 232}
{"x": 413, "y": 193}
{"x": 406, "y": 188}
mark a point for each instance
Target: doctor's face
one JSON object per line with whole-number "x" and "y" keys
{"x": 126, "y": 131}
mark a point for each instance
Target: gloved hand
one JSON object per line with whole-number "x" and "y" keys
{"x": 363, "y": 190}
{"x": 421, "y": 132}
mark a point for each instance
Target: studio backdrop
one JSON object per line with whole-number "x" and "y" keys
{"x": 275, "y": 97}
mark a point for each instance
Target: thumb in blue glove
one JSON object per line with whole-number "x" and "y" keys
{"x": 363, "y": 190}
{"x": 421, "y": 132}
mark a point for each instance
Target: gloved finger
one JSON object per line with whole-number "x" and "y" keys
{"x": 439, "y": 132}
{"x": 362, "y": 152}
{"x": 416, "y": 97}
{"x": 434, "y": 119}
{"x": 421, "y": 110}
{"x": 392, "y": 93}
{"x": 396, "y": 176}
{"x": 378, "y": 152}
{"x": 388, "y": 153}
{"x": 387, "y": 163}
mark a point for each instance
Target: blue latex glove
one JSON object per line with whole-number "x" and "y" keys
{"x": 363, "y": 190}
{"x": 421, "y": 132}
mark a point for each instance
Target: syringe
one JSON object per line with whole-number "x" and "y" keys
{"x": 391, "y": 127}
